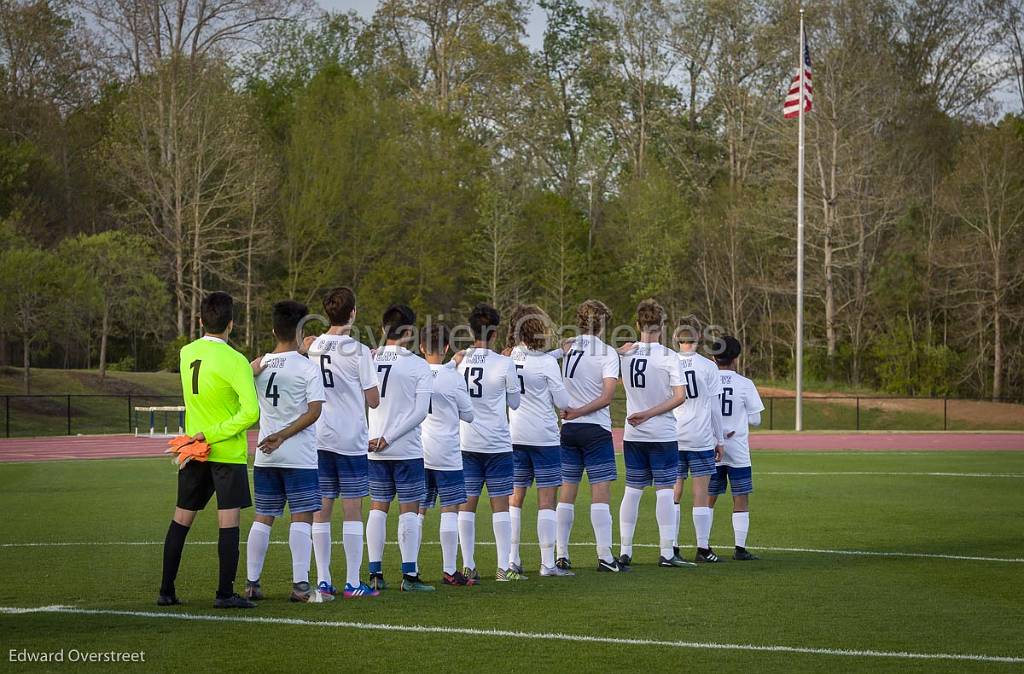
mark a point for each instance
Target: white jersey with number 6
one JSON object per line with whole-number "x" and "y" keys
{"x": 449, "y": 403}
{"x": 403, "y": 377}
{"x": 585, "y": 366}
{"x": 492, "y": 384}
{"x": 285, "y": 387}
{"x": 540, "y": 387}
{"x": 694, "y": 421}
{"x": 739, "y": 400}
{"x": 649, "y": 371}
{"x": 346, "y": 370}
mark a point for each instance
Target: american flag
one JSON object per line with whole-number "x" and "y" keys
{"x": 791, "y": 108}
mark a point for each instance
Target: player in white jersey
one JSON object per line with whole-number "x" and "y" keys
{"x": 396, "y": 448}
{"x": 290, "y": 396}
{"x": 350, "y": 382}
{"x": 590, "y": 373}
{"x": 741, "y": 408}
{"x": 442, "y": 455}
{"x": 699, "y": 424}
{"x": 536, "y": 448}
{"x": 653, "y": 381}
{"x": 486, "y": 443}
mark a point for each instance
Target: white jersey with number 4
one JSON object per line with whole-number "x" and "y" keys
{"x": 540, "y": 386}
{"x": 346, "y": 370}
{"x": 585, "y": 366}
{"x": 285, "y": 387}
{"x": 694, "y": 421}
{"x": 403, "y": 377}
{"x": 449, "y": 403}
{"x": 491, "y": 380}
{"x": 649, "y": 371}
{"x": 739, "y": 400}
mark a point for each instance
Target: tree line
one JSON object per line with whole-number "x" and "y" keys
{"x": 153, "y": 151}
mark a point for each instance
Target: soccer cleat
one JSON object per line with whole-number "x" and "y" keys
{"x": 563, "y": 563}
{"x": 377, "y": 582}
{"x": 743, "y": 555}
{"x": 302, "y": 593}
{"x": 414, "y": 584}
{"x": 625, "y": 560}
{"x": 675, "y": 551}
{"x": 507, "y": 576}
{"x": 253, "y": 591}
{"x": 361, "y": 590}
{"x": 674, "y": 562}
{"x": 614, "y": 566}
{"x": 554, "y": 571}
{"x": 518, "y": 568}
{"x": 457, "y": 579}
{"x": 472, "y": 576}
{"x": 234, "y": 601}
{"x": 169, "y": 600}
{"x": 706, "y": 556}
{"x": 326, "y": 591}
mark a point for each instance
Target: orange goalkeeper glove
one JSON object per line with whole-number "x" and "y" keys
{"x": 185, "y": 448}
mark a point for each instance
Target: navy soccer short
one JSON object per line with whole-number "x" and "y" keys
{"x": 274, "y": 486}
{"x": 343, "y": 475}
{"x": 402, "y": 477}
{"x": 543, "y": 464}
{"x": 587, "y": 446}
{"x": 494, "y": 470}
{"x": 696, "y": 464}
{"x": 741, "y": 480}
{"x": 449, "y": 485}
{"x": 650, "y": 463}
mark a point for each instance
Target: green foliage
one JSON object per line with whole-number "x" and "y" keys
{"x": 909, "y": 366}
{"x": 126, "y": 364}
{"x": 172, "y": 354}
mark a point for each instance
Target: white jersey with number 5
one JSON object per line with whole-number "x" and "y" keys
{"x": 649, "y": 371}
{"x": 540, "y": 386}
{"x": 585, "y": 366}
{"x": 285, "y": 387}
{"x": 739, "y": 400}
{"x": 694, "y": 418}
{"x": 346, "y": 370}
{"x": 403, "y": 377}
{"x": 449, "y": 402}
{"x": 492, "y": 384}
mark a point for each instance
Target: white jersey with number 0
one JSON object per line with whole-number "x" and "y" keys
{"x": 693, "y": 418}
{"x": 285, "y": 387}
{"x": 649, "y": 371}
{"x": 585, "y": 366}
{"x": 541, "y": 389}
{"x": 490, "y": 378}
{"x": 346, "y": 370}
{"x": 449, "y": 402}
{"x": 403, "y": 377}
{"x": 739, "y": 400}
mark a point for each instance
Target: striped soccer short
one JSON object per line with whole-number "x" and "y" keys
{"x": 543, "y": 464}
{"x": 275, "y": 486}
{"x": 739, "y": 478}
{"x": 650, "y": 463}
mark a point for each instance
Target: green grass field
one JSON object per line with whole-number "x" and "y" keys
{"x": 112, "y": 516}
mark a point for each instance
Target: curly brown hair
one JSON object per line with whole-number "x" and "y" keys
{"x": 592, "y": 317}
{"x": 688, "y": 330}
{"x": 650, "y": 316}
{"x": 529, "y": 325}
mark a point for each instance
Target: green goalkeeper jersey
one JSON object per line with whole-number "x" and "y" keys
{"x": 220, "y": 397}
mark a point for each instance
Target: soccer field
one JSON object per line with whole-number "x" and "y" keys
{"x": 869, "y": 561}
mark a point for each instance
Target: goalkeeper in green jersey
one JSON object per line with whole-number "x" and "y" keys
{"x": 220, "y": 406}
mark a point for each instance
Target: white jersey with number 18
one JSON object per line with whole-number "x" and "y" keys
{"x": 649, "y": 372}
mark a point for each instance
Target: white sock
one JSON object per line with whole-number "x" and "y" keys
{"x": 502, "y": 526}
{"x": 515, "y": 516}
{"x": 664, "y": 511}
{"x": 449, "y": 541}
{"x": 547, "y": 524}
{"x": 467, "y": 538}
{"x": 564, "y": 514}
{"x": 419, "y": 539}
{"x": 675, "y": 539}
{"x": 322, "y": 551}
{"x": 376, "y": 529}
{"x": 301, "y": 545}
{"x": 628, "y": 511}
{"x": 702, "y": 525}
{"x": 352, "y": 538}
{"x": 256, "y": 550}
{"x": 740, "y": 527}
{"x": 601, "y": 520}
{"x": 408, "y": 541}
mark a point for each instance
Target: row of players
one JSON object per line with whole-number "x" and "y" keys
{"x": 438, "y": 430}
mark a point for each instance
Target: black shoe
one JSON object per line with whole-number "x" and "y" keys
{"x": 742, "y": 555}
{"x": 169, "y": 600}
{"x": 234, "y": 601}
{"x": 706, "y": 556}
{"x": 611, "y": 567}
{"x": 625, "y": 560}
{"x": 675, "y": 551}
{"x": 676, "y": 562}
{"x": 563, "y": 563}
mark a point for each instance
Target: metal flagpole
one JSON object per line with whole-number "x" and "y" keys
{"x": 800, "y": 245}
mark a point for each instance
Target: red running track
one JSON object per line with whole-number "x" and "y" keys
{"x": 59, "y": 448}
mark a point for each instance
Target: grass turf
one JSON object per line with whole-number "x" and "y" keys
{"x": 813, "y": 600}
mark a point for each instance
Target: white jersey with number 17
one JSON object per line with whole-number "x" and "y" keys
{"x": 585, "y": 366}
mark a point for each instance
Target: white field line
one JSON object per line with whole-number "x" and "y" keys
{"x": 816, "y": 551}
{"x": 540, "y": 636}
{"x": 887, "y": 473}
